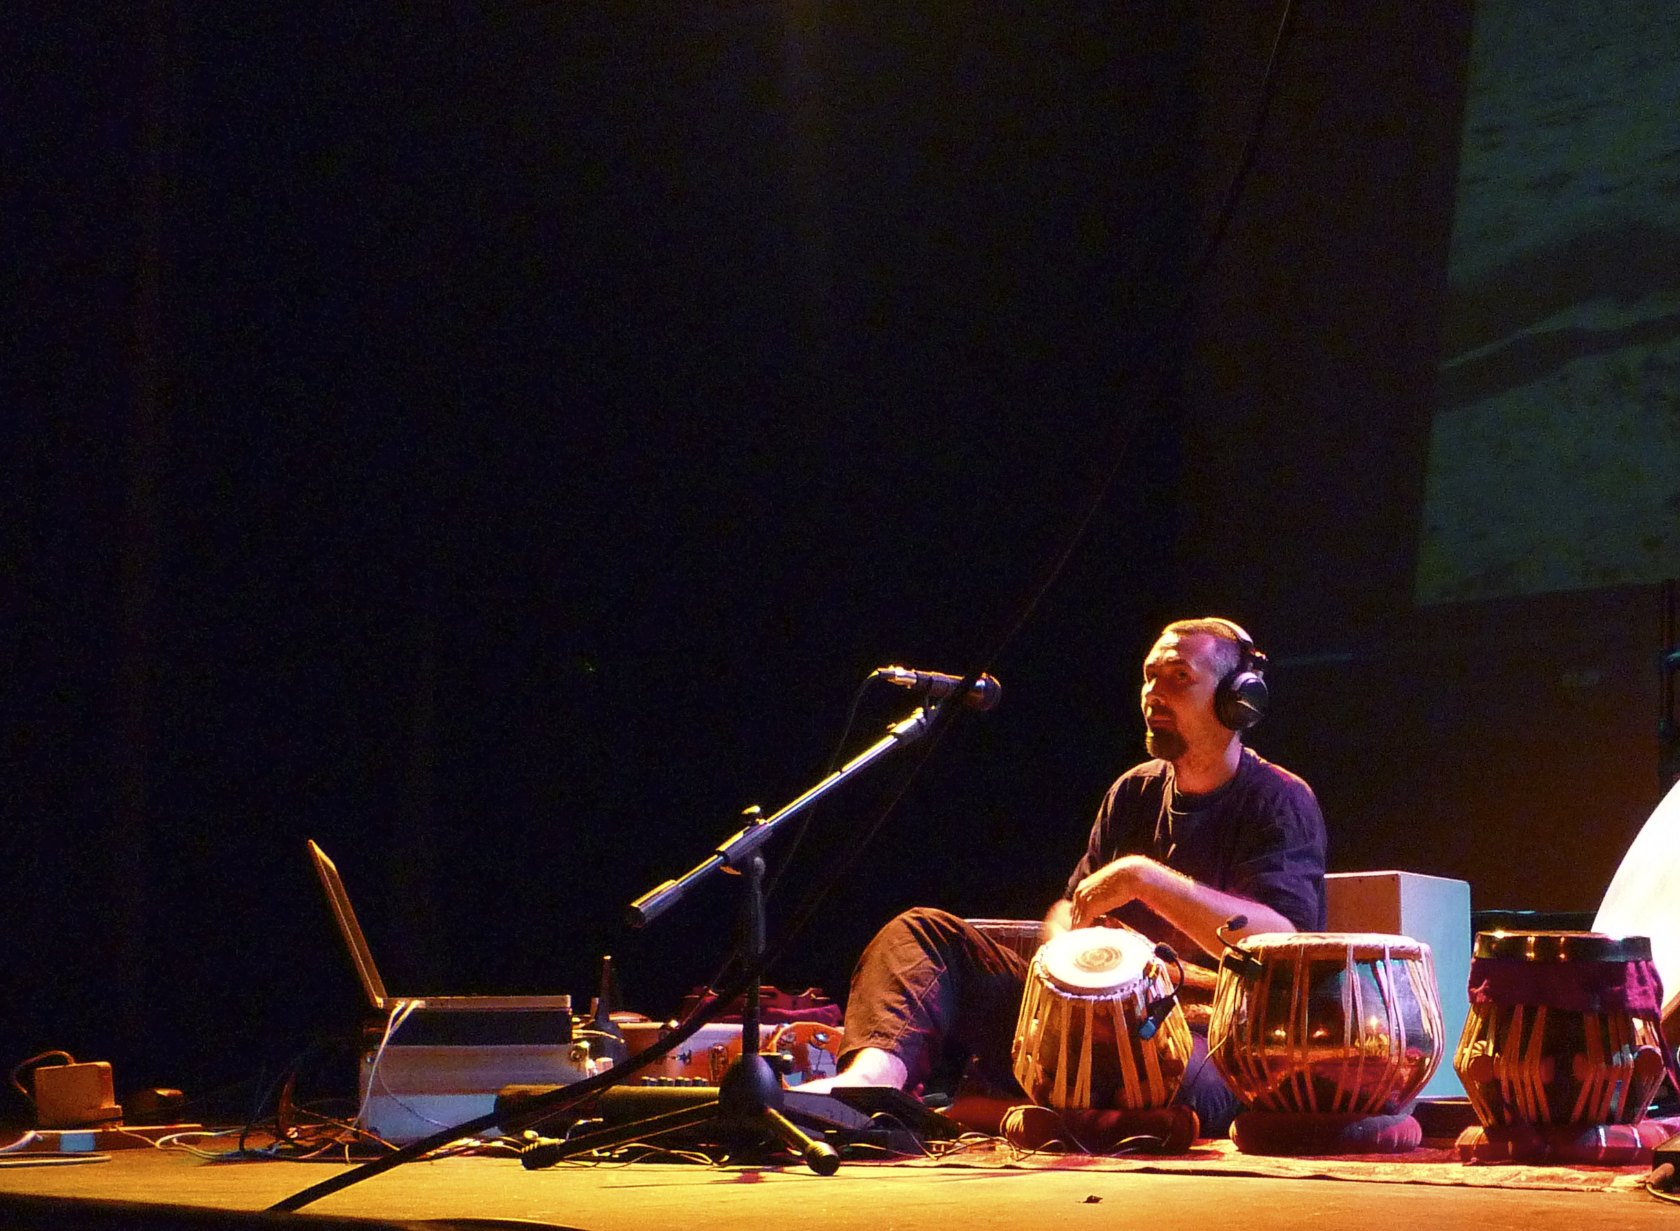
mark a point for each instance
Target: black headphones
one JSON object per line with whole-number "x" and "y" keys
{"x": 1241, "y": 699}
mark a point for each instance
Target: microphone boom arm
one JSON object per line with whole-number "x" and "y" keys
{"x": 734, "y": 852}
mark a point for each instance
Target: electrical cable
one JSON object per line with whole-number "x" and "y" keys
{"x": 1153, "y": 344}
{"x": 400, "y": 1011}
{"x": 1659, "y": 1183}
{"x": 564, "y": 1097}
{"x": 793, "y": 844}
{"x": 35, "y": 1060}
{"x": 548, "y": 1105}
{"x": 1099, "y": 496}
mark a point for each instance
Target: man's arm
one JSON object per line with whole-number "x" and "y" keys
{"x": 1193, "y": 908}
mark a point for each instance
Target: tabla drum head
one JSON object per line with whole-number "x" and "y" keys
{"x": 1562, "y": 947}
{"x": 1096, "y": 959}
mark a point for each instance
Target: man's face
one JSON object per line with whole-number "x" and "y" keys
{"x": 1179, "y": 679}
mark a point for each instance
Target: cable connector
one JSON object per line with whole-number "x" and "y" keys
{"x": 1665, "y": 1168}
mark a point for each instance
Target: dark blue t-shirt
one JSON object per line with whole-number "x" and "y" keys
{"x": 1259, "y": 836}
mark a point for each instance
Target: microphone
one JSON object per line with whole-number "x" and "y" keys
{"x": 1235, "y": 923}
{"x": 1161, "y": 1007}
{"x": 1235, "y": 956}
{"x": 1159, "y": 1010}
{"x": 982, "y": 695}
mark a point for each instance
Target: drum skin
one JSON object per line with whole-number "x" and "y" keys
{"x": 1076, "y": 1045}
{"x": 1538, "y": 1062}
{"x": 1327, "y": 1023}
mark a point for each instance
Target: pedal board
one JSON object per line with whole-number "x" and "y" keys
{"x": 892, "y": 1105}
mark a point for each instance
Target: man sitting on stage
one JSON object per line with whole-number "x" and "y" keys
{"x": 1204, "y": 832}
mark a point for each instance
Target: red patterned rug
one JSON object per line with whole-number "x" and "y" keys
{"x": 1423, "y": 1166}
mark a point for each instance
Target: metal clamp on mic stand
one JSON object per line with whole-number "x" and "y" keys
{"x": 750, "y": 1095}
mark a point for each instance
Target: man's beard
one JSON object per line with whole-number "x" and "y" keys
{"x": 1168, "y": 745}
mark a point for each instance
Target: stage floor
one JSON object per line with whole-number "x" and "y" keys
{"x": 642, "y": 1196}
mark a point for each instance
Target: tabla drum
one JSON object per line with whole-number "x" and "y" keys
{"x": 1327, "y": 1023}
{"x": 1076, "y": 1040}
{"x": 1563, "y": 1029}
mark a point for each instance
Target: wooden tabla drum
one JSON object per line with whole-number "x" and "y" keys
{"x": 1327, "y": 1023}
{"x": 1076, "y": 1041}
{"x": 1563, "y": 1029}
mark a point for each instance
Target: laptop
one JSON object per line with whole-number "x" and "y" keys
{"x": 374, "y": 987}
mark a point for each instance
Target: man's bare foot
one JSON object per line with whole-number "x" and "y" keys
{"x": 868, "y": 1066}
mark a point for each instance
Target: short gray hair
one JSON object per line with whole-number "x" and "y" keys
{"x": 1230, "y": 646}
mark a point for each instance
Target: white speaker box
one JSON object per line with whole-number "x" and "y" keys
{"x": 1433, "y": 909}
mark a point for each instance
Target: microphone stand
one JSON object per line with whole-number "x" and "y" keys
{"x": 751, "y": 1097}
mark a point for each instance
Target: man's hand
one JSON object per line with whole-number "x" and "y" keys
{"x": 1056, "y": 921}
{"x": 1111, "y": 887}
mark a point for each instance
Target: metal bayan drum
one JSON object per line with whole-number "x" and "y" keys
{"x": 1563, "y": 1029}
{"x": 1076, "y": 1040}
{"x": 1327, "y": 1023}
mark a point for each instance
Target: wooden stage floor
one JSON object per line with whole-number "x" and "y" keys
{"x": 640, "y": 1196}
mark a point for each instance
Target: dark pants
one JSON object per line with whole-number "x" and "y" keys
{"x": 941, "y": 995}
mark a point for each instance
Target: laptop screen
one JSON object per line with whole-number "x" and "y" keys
{"x": 348, "y": 927}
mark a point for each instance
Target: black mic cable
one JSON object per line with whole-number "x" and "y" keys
{"x": 939, "y": 720}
